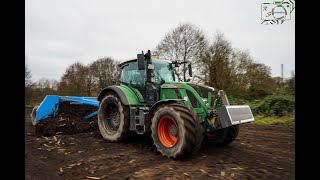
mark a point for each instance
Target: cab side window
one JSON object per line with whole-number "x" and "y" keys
{"x": 131, "y": 75}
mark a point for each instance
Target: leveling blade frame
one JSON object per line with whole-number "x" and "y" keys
{"x": 50, "y": 105}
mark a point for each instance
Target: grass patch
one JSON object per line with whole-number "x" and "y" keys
{"x": 284, "y": 120}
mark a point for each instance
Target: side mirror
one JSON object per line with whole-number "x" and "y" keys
{"x": 140, "y": 59}
{"x": 190, "y": 70}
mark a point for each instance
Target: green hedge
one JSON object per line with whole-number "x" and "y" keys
{"x": 277, "y": 104}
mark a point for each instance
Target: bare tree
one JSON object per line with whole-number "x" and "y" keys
{"x": 47, "y": 83}
{"x": 239, "y": 64}
{"x": 43, "y": 83}
{"x": 104, "y": 71}
{"x": 216, "y": 63}
{"x": 234, "y": 70}
{"x": 54, "y": 84}
{"x": 290, "y": 84}
{"x": 89, "y": 81}
{"x": 73, "y": 80}
{"x": 46, "y": 86}
{"x": 27, "y": 76}
{"x": 184, "y": 43}
{"x": 259, "y": 80}
{"x": 28, "y": 90}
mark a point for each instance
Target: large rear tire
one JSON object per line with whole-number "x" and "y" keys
{"x": 176, "y": 130}
{"x": 113, "y": 119}
{"x": 223, "y": 137}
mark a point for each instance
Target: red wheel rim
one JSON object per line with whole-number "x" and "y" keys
{"x": 167, "y": 131}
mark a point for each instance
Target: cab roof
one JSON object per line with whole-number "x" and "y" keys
{"x": 127, "y": 61}
{"x": 133, "y": 60}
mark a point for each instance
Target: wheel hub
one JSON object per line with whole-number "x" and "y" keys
{"x": 113, "y": 119}
{"x": 173, "y": 130}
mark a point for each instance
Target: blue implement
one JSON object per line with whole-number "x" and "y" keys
{"x": 50, "y": 105}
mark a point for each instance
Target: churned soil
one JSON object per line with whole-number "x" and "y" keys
{"x": 69, "y": 120}
{"x": 259, "y": 152}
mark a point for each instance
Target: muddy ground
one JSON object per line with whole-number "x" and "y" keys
{"x": 259, "y": 152}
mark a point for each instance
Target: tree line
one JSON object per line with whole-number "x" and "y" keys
{"x": 215, "y": 62}
{"x": 77, "y": 80}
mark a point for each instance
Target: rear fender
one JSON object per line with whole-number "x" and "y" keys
{"x": 126, "y": 94}
{"x": 114, "y": 89}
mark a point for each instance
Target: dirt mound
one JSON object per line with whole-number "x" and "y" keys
{"x": 68, "y": 121}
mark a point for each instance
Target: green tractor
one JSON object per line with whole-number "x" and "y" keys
{"x": 178, "y": 115}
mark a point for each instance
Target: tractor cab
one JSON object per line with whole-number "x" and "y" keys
{"x": 132, "y": 76}
{"x": 145, "y": 75}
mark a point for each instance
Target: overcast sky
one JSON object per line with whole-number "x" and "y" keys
{"x": 59, "y": 33}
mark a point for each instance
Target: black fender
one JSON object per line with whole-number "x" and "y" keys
{"x": 116, "y": 90}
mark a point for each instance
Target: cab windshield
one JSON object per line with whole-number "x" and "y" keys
{"x": 163, "y": 70}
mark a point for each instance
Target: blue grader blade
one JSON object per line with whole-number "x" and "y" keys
{"x": 50, "y": 105}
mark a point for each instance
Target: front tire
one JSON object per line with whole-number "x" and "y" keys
{"x": 176, "y": 130}
{"x": 223, "y": 137}
{"x": 113, "y": 119}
